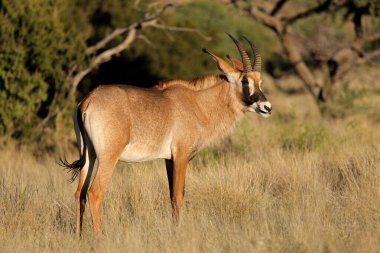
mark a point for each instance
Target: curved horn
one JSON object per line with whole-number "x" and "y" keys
{"x": 244, "y": 56}
{"x": 256, "y": 55}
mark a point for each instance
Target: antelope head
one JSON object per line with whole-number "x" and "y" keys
{"x": 246, "y": 76}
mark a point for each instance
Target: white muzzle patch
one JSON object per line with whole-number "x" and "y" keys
{"x": 262, "y": 108}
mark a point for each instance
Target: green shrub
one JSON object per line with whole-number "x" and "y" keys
{"x": 310, "y": 138}
{"x": 37, "y": 46}
{"x": 345, "y": 102}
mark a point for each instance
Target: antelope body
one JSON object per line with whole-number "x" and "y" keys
{"x": 172, "y": 121}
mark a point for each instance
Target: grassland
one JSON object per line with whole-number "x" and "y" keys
{"x": 290, "y": 183}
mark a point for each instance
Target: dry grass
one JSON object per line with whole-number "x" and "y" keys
{"x": 292, "y": 183}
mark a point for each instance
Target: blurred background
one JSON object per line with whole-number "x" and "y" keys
{"x": 52, "y": 53}
{"x": 304, "y": 180}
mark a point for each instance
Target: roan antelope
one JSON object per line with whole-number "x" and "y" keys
{"x": 173, "y": 120}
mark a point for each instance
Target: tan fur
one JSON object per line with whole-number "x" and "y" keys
{"x": 174, "y": 120}
{"x": 195, "y": 84}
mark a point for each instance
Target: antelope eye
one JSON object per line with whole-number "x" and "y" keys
{"x": 244, "y": 80}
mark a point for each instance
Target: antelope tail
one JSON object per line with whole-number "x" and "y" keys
{"x": 76, "y": 166}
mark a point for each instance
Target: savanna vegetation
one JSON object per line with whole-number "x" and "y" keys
{"x": 304, "y": 180}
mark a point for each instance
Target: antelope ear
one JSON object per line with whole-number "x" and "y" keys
{"x": 238, "y": 65}
{"x": 231, "y": 73}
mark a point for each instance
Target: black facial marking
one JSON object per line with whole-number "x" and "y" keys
{"x": 244, "y": 81}
{"x": 255, "y": 97}
{"x": 246, "y": 95}
{"x": 258, "y": 96}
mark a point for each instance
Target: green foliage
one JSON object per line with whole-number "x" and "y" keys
{"x": 179, "y": 54}
{"x": 373, "y": 5}
{"x": 344, "y": 103}
{"x": 306, "y": 139}
{"x": 226, "y": 148}
{"x": 41, "y": 41}
{"x": 36, "y": 48}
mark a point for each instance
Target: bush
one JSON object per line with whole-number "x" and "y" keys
{"x": 310, "y": 138}
{"x": 41, "y": 41}
{"x": 345, "y": 103}
{"x": 36, "y": 49}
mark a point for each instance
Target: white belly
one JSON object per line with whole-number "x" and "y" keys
{"x": 136, "y": 152}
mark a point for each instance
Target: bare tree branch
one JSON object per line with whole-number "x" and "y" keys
{"x": 357, "y": 20}
{"x": 355, "y": 48}
{"x": 163, "y": 6}
{"x": 181, "y": 29}
{"x": 266, "y": 19}
{"x": 145, "y": 39}
{"x": 300, "y": 66}
{"x": 119, "y": 31}
{"x": 369, "y": 56}
{"x": 278, "y": 6}
{"x": 359, "y": 42}
{"x": 304, "y": 14}
{"x": 348, "y": 60}
{"x": 342, "y": 61}
{"x": 347, "y": 57}
{"x": 106, "y": 40}
{"x": 258, "y": 13}
{"x": 151, "y": 19}
{"x": 278, "y": 25}
{"x": 105, "y": 56}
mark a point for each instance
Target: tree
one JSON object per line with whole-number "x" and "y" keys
{"x": 344, "y": 58}
{"x": 45, "y": 53}
{"x": 35, "y": 51}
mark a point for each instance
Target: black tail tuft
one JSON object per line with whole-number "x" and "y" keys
{"x": 74, "y": 167}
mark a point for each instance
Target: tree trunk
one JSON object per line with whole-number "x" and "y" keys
{"x": 300, "y": 66}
